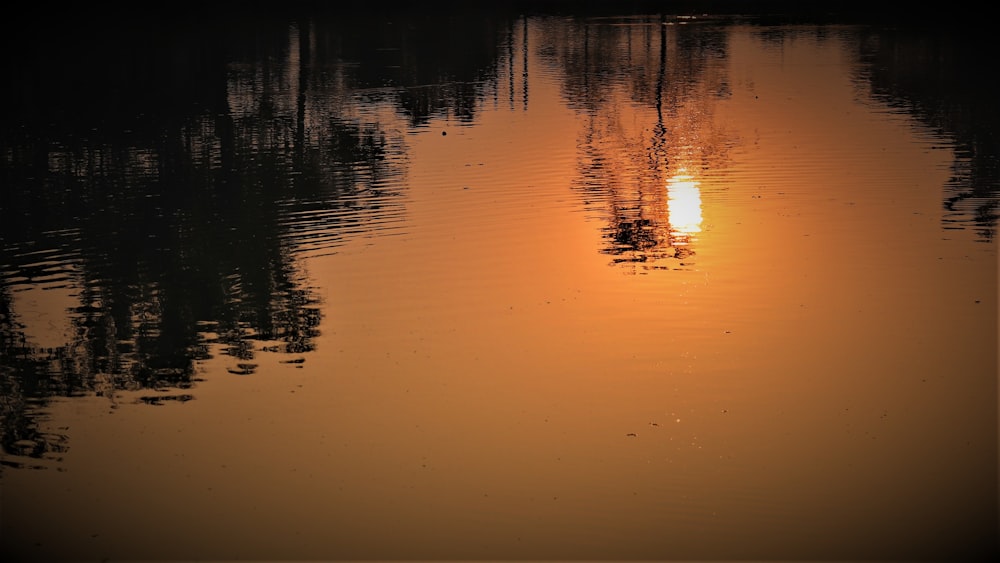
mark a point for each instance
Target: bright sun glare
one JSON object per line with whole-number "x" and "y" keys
{"x": 683, "y": 205}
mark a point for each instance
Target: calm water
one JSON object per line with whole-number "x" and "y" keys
{"x": 503, "y": 287}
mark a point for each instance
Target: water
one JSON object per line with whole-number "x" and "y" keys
{"x": 506, "y": 287}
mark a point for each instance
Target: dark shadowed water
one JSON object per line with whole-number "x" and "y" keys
{"x": 499, "y": 286}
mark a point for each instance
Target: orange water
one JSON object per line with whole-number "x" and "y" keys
{"x": 782, "y": 354}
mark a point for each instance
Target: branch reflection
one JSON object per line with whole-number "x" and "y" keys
{"x": 139, "y": 238}
{"x": 647, "y": 87}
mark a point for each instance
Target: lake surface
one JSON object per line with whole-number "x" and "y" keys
{"x": 499, "y": 286}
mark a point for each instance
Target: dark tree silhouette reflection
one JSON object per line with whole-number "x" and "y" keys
{"x": 168, "y": 187}
{"x": 931, "y": 68}
{"x": 426, "y": 63}
{"x": 666, "y": 78}
{"x": 939, "y": 75}
{"x": 22, "y": 382}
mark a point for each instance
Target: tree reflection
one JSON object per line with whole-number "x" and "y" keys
{"x": 647, "y": 86}
{"x": 173, "y": 212}
{"x": 22, "y": 380}
{"x": 941, "y": 76}
{"x": 937, "y": 74}
{"x": 425, "y": 63}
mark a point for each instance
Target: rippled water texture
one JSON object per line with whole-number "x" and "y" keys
{"x": 502, "y": 287}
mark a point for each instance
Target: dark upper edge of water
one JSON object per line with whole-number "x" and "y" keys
{"x": 959, "y": 12}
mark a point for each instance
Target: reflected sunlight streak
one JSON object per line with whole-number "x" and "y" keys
{"x": 683, "y": 207}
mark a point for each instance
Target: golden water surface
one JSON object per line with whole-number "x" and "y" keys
{"x": 691, "y": 308}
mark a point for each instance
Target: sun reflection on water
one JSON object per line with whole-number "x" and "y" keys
{"x": 684, "y": 208}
